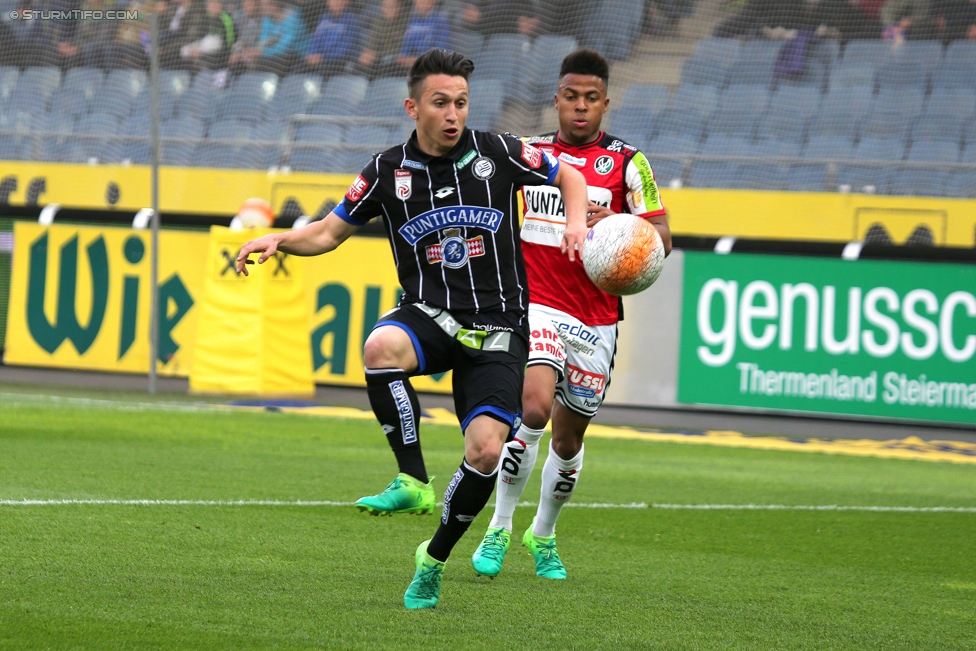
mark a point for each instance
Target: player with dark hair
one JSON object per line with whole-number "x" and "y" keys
{"x": 449, "y": 198}
{"x": 573, "y": 322}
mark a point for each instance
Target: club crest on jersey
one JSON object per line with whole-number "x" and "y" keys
{"x": 404, "y": 185}
{"x": 483, "y": 168}
{"x": 603, "y": 165}
{"x": 531, "y": 155}
{"x": 357, "y": 188}
{"x": 454, "y": 251}
{"x": 572, "y": 160}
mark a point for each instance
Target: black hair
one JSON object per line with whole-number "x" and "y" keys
{"x": 438, "y": 62}
{"x": 586, "y": 62}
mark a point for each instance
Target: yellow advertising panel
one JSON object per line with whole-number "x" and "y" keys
{"x": 832, "y": 217}
{"x": 251, "y": 330}
{"x": 347, "y": 291}
{"x": 826, "y": 216}
{"x": 79, "y": 298}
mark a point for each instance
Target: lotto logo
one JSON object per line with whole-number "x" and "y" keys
{"x": 357, "y": 188}
{"x": 584, "y": 383}
{"x": 532, "y": 156}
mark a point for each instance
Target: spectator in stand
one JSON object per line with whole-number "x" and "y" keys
{"x": 383, "y": 41}
{"x": 248, "y": 25}
{"x": 565, "y": 18}
{"x": 282, "y": 37}
{"x": 51, "y": 42}
{"x": 212, "y": 50}
{"x": 133, "y": 37}
{"x": 847, "y": 19}
{"x": 760, "y": 15}
{"x": 428, "y": 28}
{"x": 335, "y": 41}
{"x": 900, "y": 17}
{"x": 183, "y": 22}
{"x": 95, "y": 40}
{"x": 957, "y": 20}
{"x": 490, "y": 17}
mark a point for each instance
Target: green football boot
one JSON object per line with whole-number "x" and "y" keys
{"x": 425, "y": 588}
{"x": 547, "y": 562}
{"x": 487, "y": 559}
{"x": 405, "y": 494}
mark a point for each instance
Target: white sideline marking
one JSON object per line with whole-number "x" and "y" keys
{"x": 579, "y": 505}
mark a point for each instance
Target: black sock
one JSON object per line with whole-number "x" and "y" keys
{"x": 464, "y": 498}
{"x": 397, "y": 408}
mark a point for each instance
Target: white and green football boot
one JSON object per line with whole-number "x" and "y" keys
{"x": 548, "y": 565}
{"x": 487, "y": 559}
{"x": 405, "y": 494}
{"x": 425, "y": 589}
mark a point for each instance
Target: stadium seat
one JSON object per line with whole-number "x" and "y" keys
{"x": 953, "y": 102}
{"x": 8, "y": 80}
{"x": 919, "y": 182}
{"x": 370, "y": 137}
{"x": 613, "y": 27}
{"x": 102, "y": 149}
{"x": 790, "y": 110}
{"x": 877, "y": 176}
{"x": 269, "y": 141}
{"x": 841, "y": 111}
{"x": 754, "y": 65}
{"x": 633, "y": 125}
{"x": 830, "y": 147}
{"x": 680, "y": 122}
{"x": 384, "y": 98}
{"x": 183, "y": 133}
{"x": 172, "y": 85}
{"x": 739, "y": 107}
{"x": 873, "y": 51}
{"x": 762, "y": 176}
{"x": 15, "y": 136}
{"x": 487, "y": 96}
{"x": 938, "y": 127}
{"x": 850, "y": 74}
{"x": 722, "y": 145}
{"x": 315, "y": 159}
{"x": 249, "y": 97}
{"x": 500, "y": 56}
{"x": 343, "y": 96}
{"x": 670, "y": 144}
{"x": 136, "y": 147}
{"x": 199, "y": 101}
{"x": 652, "y": 98}
{"x": 969, "y": 133}
{"x": 960, "y": 184}
{"x": 326, "y": 134}
{"x": 733, "y": 123}
{"x": 893, "y": 112}
{"x": 701, "y": 99}
{"x": 53, "y": 147}
{"x": 295, "y": 95}
{"x": 467, "y": 42}
{"x": 936, "y": 151}
{"x": 711, "y": 63}
{"x": 775, "y": 148}
{"x": 804, "y": 177}
{"x": 118, "y": 94}
{"x": 708, "y": 174}
{"x": 540, "y": 69}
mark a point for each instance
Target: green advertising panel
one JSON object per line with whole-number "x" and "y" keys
{"x": 866, "y": 338}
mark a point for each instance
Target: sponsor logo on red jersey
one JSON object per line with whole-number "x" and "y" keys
{"x": 584, "y": 383}
{"x": 532, "y": 156}
{"x": 357, "y": 188}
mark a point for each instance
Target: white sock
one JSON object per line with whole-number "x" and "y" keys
{"x": 514, "y": 467}
{"x": 559, "y": 477}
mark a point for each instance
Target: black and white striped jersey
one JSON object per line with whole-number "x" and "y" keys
{"x": 452, "y": 220}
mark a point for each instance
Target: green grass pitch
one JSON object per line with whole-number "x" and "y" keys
{"x": 306, "y": 577}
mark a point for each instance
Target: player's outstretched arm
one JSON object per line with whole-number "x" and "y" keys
{"x": 313, "y": 239}
{"x": 572, "y": 185}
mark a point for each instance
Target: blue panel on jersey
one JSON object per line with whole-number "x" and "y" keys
{"x": 553, "y": 168}
{"x": 343, "y": 214}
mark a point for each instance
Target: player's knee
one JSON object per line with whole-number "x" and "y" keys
{"x": 485, "y": 458}
{"x": 567, "y": 447}
{"x": 536, "y": 409}
{"x": 383, "y": 349}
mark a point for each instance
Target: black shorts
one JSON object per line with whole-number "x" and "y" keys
{"x": 487, "y": 352}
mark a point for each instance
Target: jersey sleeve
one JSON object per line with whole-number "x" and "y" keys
{"x": 529, "y": 165}
{"x": 643, "y": 197}
{"x": 361, "y": 202}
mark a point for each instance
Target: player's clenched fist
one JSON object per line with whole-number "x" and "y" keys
{"x": 266, "y": 245}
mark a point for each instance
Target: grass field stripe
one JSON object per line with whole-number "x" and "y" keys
{"x": 579, "y": 505}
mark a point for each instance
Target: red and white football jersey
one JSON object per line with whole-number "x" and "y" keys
{"x": 618, "y": 176}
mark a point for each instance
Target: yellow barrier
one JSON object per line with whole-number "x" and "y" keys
{"x": 742, "y": 213}
{"x": 80, "y": 299}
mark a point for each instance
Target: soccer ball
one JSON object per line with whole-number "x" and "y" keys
{"x": 623, "y": 254}
{"x": 256, "y": 213}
